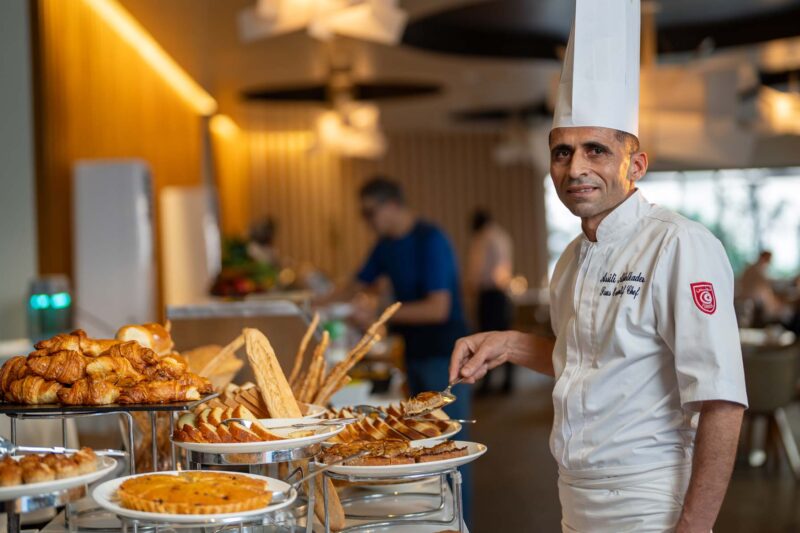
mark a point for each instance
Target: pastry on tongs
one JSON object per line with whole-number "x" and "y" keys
{"x": 425, "y": 402}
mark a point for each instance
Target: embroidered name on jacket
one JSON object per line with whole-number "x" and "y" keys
{"x": 627, "y": 283}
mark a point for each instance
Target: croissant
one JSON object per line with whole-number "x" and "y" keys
{"x": 12, "y": 370}
{"x": 167, "y": 368}
{"x": 139, "y": 356}
{"x": 65, "y": 366}
{"x": 33, "y": 390}
{"x": 159, "y": 392}
{"x": 89, "y": 391}
{"x": 62, "y": 341}
{"x": 114, "y": 369}
{"x": 203, "y": 385}
{"x": 76, "y": 341}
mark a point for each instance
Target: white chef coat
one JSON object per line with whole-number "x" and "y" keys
{"x": 645, "y": 328}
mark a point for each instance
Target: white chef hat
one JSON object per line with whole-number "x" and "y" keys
{"x": 599, "y": 84}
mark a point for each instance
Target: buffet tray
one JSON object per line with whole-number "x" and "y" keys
{"x": 56, "y": 409}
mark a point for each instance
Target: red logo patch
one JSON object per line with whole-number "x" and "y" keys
{"x": 704, "y": 298}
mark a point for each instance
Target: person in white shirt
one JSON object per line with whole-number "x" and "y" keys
{"x": 489, "y": 268}
{"x": 649, "y": 390}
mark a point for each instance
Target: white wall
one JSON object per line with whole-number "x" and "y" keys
{"x": 17, "y": 180}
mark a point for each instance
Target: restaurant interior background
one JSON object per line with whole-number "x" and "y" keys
{"x": 224, "y": 113}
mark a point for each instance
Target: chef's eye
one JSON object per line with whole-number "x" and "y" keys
{"x": 561, "y": 153}
{"x": 597, "y": 150}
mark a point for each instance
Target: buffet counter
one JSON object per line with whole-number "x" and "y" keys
{"x": 200, "y": 452}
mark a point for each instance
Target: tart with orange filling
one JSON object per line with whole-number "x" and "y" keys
{"x": 194, "y": 493}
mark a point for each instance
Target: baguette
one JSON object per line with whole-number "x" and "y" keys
{"x": 317, "y": 365}
{"x": 275, "y": 390}
{"x": 278, "y": 397}
{"x": 301, "y": 350}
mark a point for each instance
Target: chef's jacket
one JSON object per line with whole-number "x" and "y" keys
{"x": 645, "y": 328}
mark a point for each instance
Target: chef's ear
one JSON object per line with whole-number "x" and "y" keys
{"x": 638, "y": 166}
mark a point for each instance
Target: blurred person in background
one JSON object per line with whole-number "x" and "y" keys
{"x": 261, "y": 245}
{"x": 488, "y": 273}
{"x": 754, "y": 285}
{"x": 417, "y": 259}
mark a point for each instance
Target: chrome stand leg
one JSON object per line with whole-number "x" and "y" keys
{"x": 787, "y": 438}
{"x": 311, "y": 497}
{"x": 12, "y": 518}
{"x": 69, "y": 511}
{"x": 457, "y": 503}
{"x": 13, "y": 420}
{"x": 172, "y": 458}
{"x": 131, "y": 447}
{"x": 325, "y": 504}
{"x": 69, "y": 518}
{"x": 154, "y": 439}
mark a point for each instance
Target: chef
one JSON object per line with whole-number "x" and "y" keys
{"x": 649, "y": 390}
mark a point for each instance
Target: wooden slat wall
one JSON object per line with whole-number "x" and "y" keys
{"x": 314, "y": 197}
{"x": 98, "y": 99}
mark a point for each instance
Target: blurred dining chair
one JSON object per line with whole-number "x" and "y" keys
{"x": 771, "y": 380}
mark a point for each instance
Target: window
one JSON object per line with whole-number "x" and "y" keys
{"x": 747, "y": 209}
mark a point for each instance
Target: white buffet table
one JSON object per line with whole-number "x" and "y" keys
{"x": 383, "y": 506}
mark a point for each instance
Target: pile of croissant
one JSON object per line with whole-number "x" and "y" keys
{"x": 138, "y": 366}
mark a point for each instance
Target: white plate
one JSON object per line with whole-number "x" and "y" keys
{"x": 105, "y": 496}
{"x": 455, "y": 428}
{"x": 104, "y": 466}
{"x": 324, "y": 433}
{"x": 474, "y": 450}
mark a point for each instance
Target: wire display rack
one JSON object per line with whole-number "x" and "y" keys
{"x": 420, "y": 518}
{"x": 17, "y": 412}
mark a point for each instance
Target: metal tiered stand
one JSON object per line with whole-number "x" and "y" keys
{"x": 421, "y": 518}
{"x": 265, "y": 463}
{"x": 14, "y": 508}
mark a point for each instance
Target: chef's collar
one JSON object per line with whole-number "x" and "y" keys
{"x": 619, "y": 221}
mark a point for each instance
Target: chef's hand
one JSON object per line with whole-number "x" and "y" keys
{"x": 475, "y": 355}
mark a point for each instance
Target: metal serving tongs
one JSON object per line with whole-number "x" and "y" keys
{"x": 8, "y": 448}
{"x": 279, "y": 496}
{"x": 368, "y": 410}
{"x": 299, "y": 425}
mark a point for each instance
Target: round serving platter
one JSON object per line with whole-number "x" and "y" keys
{"x": 322, "y": 433}
{"x": 104, "y": 466}
{"x": 105, "y": 495}
{"x": 455, "y": 429}
{"x": 474, "y": 450}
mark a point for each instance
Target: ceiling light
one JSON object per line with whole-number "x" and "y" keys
{"x": 129, "y": 29}
{"x": 371, "y": 20}
{"x": 353, "y": 131}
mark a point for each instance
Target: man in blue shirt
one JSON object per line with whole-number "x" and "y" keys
{"x": 418, "y": 260}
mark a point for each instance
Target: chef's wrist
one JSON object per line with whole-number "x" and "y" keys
{"x": 687, "y": 525}
{"x": 521, "y": 348}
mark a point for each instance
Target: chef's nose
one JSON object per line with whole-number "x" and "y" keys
{"x": 578, "y": 165}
